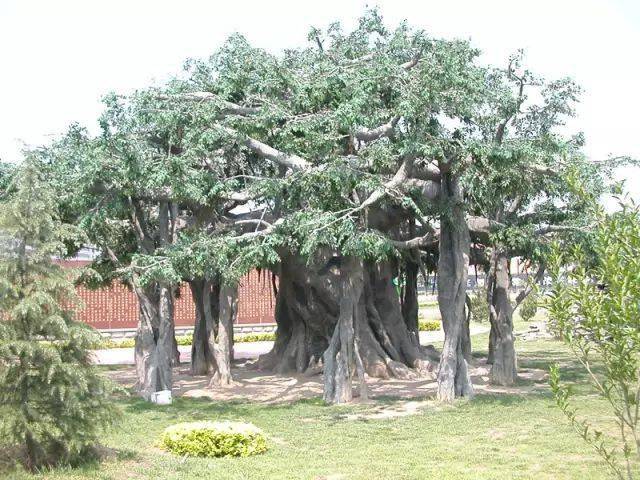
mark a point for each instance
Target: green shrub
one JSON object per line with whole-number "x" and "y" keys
{"x": 214, "y": 439}
{"x": 529, "y": 307}
{"x": 479, "y": 305}
{"x": 185, "y": 339}
{"x": 428, "y": 326}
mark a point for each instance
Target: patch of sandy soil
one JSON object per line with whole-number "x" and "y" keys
{"x": 266, "y": 387}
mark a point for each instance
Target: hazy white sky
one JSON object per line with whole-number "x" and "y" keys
{"x": 59, "y": 57}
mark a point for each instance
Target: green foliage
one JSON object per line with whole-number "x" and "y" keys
{"x": 594, "y": 305}
{"x": 255, "y": 337}
{"x": 529, "y": 307}
{"x": 214, "y": 439}
{"x": 54, "y": 400}
{"x": 479, "y": 305}
{"x": 429, "y": 325}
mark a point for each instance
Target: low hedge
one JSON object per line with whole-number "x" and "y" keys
{"x": 214, "y": 439}
{"x": 429, "y": 325}
{"x": 188, "y": 339}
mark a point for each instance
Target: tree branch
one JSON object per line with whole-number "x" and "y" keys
{"x": 430, "y": 238}
{"x": 263, "y": 150}
{"x": 384, "y": 130}
{"x": 228, "y": 108}
{"x": 529, "y": 288}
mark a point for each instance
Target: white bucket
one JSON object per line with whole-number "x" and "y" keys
{"x": 163, "y": 397}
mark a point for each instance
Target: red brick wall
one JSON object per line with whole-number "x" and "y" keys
{"x": 117, "y": 306}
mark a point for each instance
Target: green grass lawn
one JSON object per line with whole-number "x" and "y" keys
{"x": 491, "y": 437}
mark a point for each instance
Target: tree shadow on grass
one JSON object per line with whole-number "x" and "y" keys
{"x": 199, "y": 408}
{"x": 13, "y": 459}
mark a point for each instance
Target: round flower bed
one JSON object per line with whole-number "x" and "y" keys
{"x": 214, "y": 439}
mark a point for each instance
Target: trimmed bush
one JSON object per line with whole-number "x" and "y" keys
{"x": 214, "y": 439}
{"x": 428, "y": 326}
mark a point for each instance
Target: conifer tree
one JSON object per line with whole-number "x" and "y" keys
{"x": 54, "y": 401}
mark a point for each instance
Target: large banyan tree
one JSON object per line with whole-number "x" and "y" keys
{"x": 339, "y": 166}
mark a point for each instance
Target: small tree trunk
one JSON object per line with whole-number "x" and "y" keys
{"x": 222, "y": 348}
{"x": 165, "y": 346}
{"x": 504, "y": 362}
{"x": 410, "y": 302}
{"x": 175, "y": 352}
{"x": 466, "y": 331}
{"x": 492, "y": 344}
{"x": 453, "y": 266}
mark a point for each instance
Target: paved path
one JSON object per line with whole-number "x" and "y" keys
{"x": 252, "y": 350}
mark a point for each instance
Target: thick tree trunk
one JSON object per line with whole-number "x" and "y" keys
{"x": 339, "y": 357}
{"x": 154, "y": 340}
{"x": 453, "y": 266}
{"x": 223, "y": 343}
{"x": 205, "y": 296}
{"x": 145, "y": 341}
{"x": 504, "y": 362}
{"x": 308, "y": 308}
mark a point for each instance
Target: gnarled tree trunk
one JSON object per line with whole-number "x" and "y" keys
{"x": 340, "y": 356}
{"x": 453, "y": 266}
{"x": 205, "y": 296}
{"x": 501, "y": 346}
{"x": 156, "y": 349}
{"x": 154, "y": 340}
{"x": 223, "y": 346}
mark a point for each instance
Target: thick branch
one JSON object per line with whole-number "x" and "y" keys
{"x": 229, "y": 108}
{"x": 291, "y": 161}
{"x": 426, "y": 172}
{"x": 430, "y": 238}
{"x": 370, "y": 134}
{"x": 428, "y": 188}
{"x": 482, "y": 224}
{"x": 395, "y": 183}
{"x": 258, "y": 233}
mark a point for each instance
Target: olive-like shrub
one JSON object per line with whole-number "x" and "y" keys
{"x": 214, "y": 439}
{"x": 529, "y": 307}
{"x": 479, "y": 305}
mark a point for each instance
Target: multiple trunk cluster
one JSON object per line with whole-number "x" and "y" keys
{"x": 216, "y": 308}
{"x": 342, "y": 315}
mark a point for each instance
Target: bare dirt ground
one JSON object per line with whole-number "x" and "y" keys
{"x": 266, "y": 387}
